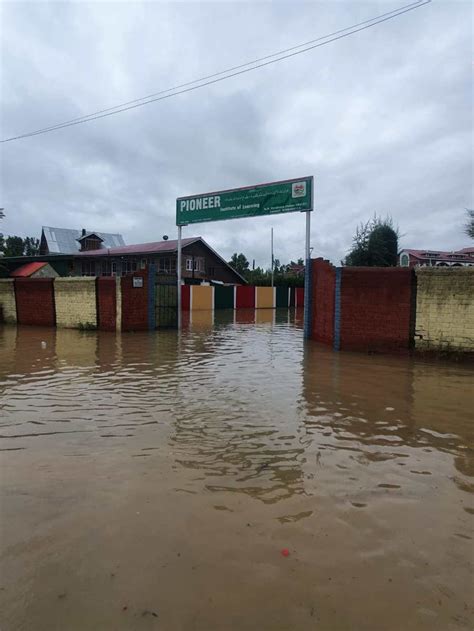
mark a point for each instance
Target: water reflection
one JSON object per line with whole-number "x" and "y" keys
{"x": 382, "y": 409}
{"x": 190, "y": 460}
{"x": 239, "y": 398}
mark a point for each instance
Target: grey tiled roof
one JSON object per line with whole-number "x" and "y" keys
{"x": 64, "y": 240}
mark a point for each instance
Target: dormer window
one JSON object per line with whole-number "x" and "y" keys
{"x": 91, "y": 244}
{"x": 90, "y": 241}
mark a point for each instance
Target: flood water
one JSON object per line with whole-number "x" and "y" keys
{"x": 152, "y": 481}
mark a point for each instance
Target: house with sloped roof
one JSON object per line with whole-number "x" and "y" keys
{"x": 72, "y": 241}
{"x": 93, "y": 253}
{"x": 436, "y": 258}
{"x": 200, "y": 262}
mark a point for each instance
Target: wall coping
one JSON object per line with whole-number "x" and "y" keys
{"x": 74, "y": 279}
{"x": 444, "y": 270}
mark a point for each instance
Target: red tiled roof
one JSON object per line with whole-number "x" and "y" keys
{"x": 27, "y": 270}
{"x": 440, "y": 255}
{"x": 140, "y": 248}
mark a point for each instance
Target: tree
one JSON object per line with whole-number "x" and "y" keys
{"x": 13, "y": 246}
{"x": 31, "y": 246}
{"x": 240, "y": 263}
{"x": 469, "y": 227}
{"x": 16, "y": 246}
{"x": 375, "y": 244}
{"x": 383, "y": 246}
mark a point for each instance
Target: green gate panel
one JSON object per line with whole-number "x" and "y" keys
{"x": 223, "y": 297}
{"x": 166, "y": 306}
{"x": 282, "y": 297}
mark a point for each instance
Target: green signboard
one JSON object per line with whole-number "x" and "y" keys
{"x": 252, "y": 201}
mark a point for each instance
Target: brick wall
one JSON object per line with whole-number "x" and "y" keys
{"x": 35, "y": 301}
{"x": 106, "y": 303}
{"x": 134, "y": 303}
{"x": 299, "y": 297}
{"x": 7, "y": 301}
{"x": 376, "y": 309}
{"x": 75, "y": 302}
{"x": 323, "y": 279}
{"x": 445, "y": 309}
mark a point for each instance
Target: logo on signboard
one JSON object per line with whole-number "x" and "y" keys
{"x": 298, "y": 189}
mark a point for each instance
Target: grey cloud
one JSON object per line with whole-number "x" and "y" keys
{"x": 382, "y": 119}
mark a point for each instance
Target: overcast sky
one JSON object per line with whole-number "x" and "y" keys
{"x": 382, "y": 119}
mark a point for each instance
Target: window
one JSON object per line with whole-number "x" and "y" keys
{"x": 91, "y": 244}
{"x": 404, "y": 260}
{"x": 143, "y": 264}
{"x": 189, "y": 265}
{"x": 129, "y": 266}
{"x": 114, "y": 268}
{"x": 173, "y": 265}
{"x": 88, "y": 268}
{"x": 163, "y": 265}
{"x": 106, "y": 268}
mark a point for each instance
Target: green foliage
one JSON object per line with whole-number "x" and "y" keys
{"x": 14, "y": 246}
{"x": 375, "y": 244}
{"x": 263, "y": 277}
{"x": 31, "y": 245}
{"x": 17, "y": 246}
{"x": 469, "y": 228}
{"x": 240, "y": 263}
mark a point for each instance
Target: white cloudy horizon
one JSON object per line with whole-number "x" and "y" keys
{"x": 382, "y": 119}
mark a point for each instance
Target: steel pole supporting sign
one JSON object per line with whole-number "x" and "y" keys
{"x": 179, "y": 276}
{"x": 274, "y": 198}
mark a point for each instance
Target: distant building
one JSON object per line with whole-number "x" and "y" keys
{"x": 91, "y": 253}
{"x": 199, "y": 261}
{"x": 295, "y": 269}
{"x": 35, "y": 270}
{"x": 71, "y": 241}
{"x": 439, "y": 258}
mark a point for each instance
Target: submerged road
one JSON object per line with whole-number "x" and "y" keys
{"x": 232, "y": 477}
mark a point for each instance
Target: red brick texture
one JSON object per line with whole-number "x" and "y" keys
{"x": 376, "y": 308}
{"x": 35, "y": 301}
{"x": 134, "y": 303}
{"x": 323, "y": 281}
{"x": 106, "y": 304}
{"x": 245, "y": 297}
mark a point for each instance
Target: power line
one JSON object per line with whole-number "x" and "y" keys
{"x": 229, "y": 73}
{"x": 223, "y": 72}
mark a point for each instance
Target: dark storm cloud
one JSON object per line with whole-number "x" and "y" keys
{"x": 382, "y": 119}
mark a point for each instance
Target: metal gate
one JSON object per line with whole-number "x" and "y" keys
{"x": 166, "y": 305}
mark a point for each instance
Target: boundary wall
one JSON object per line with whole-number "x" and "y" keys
{"x": 392, "y": 309}
{"x": 445, "y": 309}
{"x": 122, "y": 304}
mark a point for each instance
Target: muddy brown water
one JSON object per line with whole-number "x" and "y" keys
{"x": 152, "y": 481}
